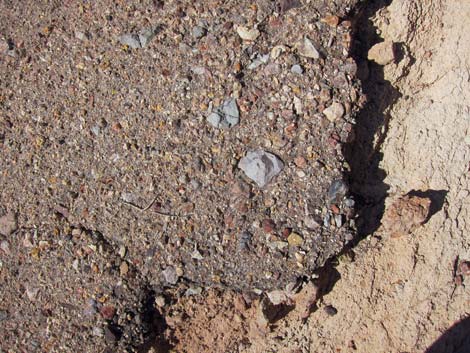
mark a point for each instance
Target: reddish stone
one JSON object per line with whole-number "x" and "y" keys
{"x": 300, "y": 162}
{"x": 229, "y": 221}
{"x": 286, "y": 231}
{"x": 331, "y": 20}
{"x": 107, "y": 312}
{"x": 334, "y": 209}
{"x": 464, "y": 268}
{"x": 269, "y": 225}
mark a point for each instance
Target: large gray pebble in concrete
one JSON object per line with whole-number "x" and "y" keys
{"x": 225, "y": 116}
{"x": 261, "y": 166}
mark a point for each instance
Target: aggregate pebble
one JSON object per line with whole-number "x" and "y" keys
{"x": 307, "y": 49}
{"x": 225, "y": 116}
{"x": 297, "y": 69}
{"x": 8, "y": 223}
{"x": 261, "y": 166}
{"x": 295, "y": 239}
{"x": 170, "y": 275}
{"x": 334, "y": 111}
{"x": 249, "y": 34}
{"x": 338, "y": 189}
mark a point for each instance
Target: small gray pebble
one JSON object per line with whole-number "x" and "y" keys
{"x": 261, "y": 166}
{"x": 193, "y": 291}
{"x": 338, "y": 189}
{"x": 339, "y": 220}
{"x": 96, "y": 130}
{"x": 98, "y": 331}
{"x": 326, "y": 220}
{"x": 231, "y": 113}
{"x": 183, "y": 179}
{"x": 3, "y": 315}
{"x": 260, "y": 60}
{"x": 146, "y": 36}
{"x": 170, "y": 276}
{"x": 214, "y": 119}
{"x": 244, "y": 241}
{"x": 199, "y": 32}
{"x": 90, "y": 308}
{"x": 132, "y": 40}
{"x": 225, "y": 116}
{"x": 349, "y": 237}
{"x": 297, "y": 69}
{"x": 82, "y": 35}
{"x": 195, "y": 184}
{"x": 138, "y": 319}
{"x": 349, "y": 203}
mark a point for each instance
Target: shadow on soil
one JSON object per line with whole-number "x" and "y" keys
{"x": 455, "y": 340}
{"x": 366, "y": 179}
{"x": 156, "y": 327}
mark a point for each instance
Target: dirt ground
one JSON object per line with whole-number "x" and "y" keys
{"x": 400, "y": 286}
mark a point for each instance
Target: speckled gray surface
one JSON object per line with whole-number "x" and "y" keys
{"x": 97, "y": 136}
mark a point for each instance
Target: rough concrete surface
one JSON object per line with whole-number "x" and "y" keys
{"x": 72, "y": 279}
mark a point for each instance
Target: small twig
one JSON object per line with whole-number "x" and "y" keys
{"x": 150, "y": 204}
{"x": 454, "y": 275}
{"x": 137, "y": 207}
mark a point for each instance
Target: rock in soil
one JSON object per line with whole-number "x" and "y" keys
{"x": 225, "y": 116}
{"x": 8, "y": 223}
{"x": 382, "y": 53}
{"x": 307, "y": 49}
{"x": 405, "y": 215}
{"x": 261, "y": 166}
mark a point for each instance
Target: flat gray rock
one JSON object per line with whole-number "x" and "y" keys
{"x": 170, "y": 275}
{"x": 131, "y": 40}
{"x": 146, "y": 36}
{"x": 137, "y": 41}
{"x": 8, "y": 224}
{"x": 261, "y": 166}
{"x": 198, "y": 32}
{"x": 225, "y": 116}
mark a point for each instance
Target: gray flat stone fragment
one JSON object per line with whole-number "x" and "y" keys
{"x": 132, "y": 40}
{"x": 261, "y": 166}
{"x": 137, "y": 41}
{"x": 225, "y": 116}
{"x": 214, "y": 119}
{"x": 170, "y": 275}
{"x": 198, "y": 32}
{"x": 146, "y": 36}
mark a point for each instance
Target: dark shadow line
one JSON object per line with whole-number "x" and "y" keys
{"x": 455, "y": 340}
